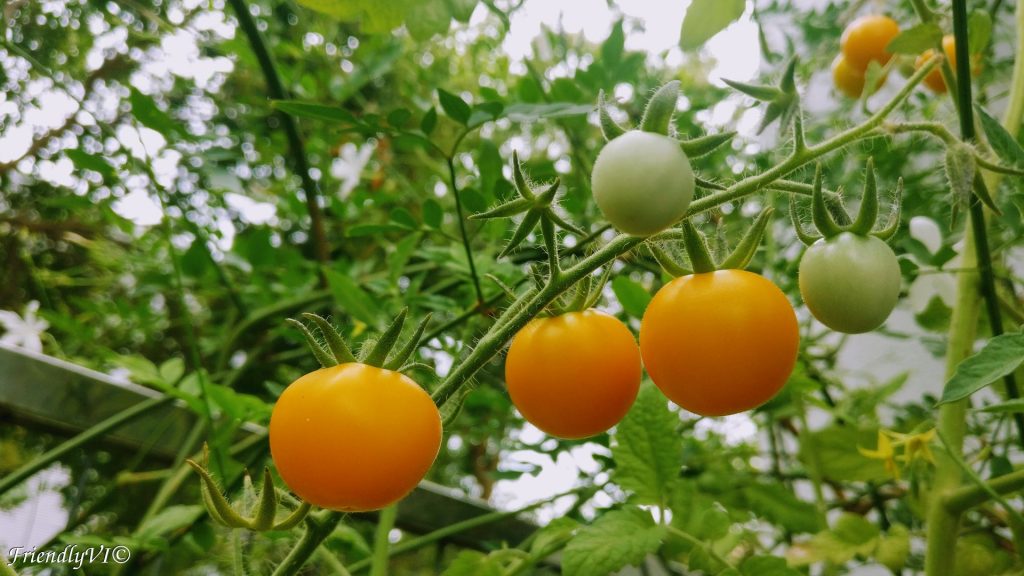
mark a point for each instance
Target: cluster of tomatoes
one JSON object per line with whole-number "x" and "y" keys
{"x": 714, "y": 341}
{"x": 866, "y": 40}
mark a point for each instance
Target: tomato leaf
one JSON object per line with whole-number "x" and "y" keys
{"x": 615, "y": 540}
{"x": 454, "y": 106}
{"x": 1001, "y": 141}
{"x": 916, "y": 39}
{"x": 1000, "y": 356}
{"x": 314, "y": 111}
{"x": 835, "y": 450}
{"x": 894, "y": 548}
{"x": 778, "y": 504}
{"x": 633, "y": 297}
{"x": 86, "y": 161}
{"x": 979, "y": 31}
{"x": 472, "y": 563}
{"x": 705, "y": 18}
{"x": 148, "y": 114}
{"x": 351, "y": 297}
{"x": 767, "y": 566}
{"x": 523, "y": 112}
{"x": 647, "y": 448}
{"x": 429, "y": 121}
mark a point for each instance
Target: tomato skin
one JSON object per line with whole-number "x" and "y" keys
{"x": 850, "y": 283}
{"x": 847, "y": 79}
{"x": 574, "y": 375}
{"x": 865, "y": 39}
{"x": 720, "y": 342}
{"x": 934, "y": 79}
{"x": 642, "y": 182}
{"x": 354, "y": 437}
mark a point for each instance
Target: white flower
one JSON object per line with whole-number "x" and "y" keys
{"x": 349, "y": 165}
{"x": 23, "y": 330}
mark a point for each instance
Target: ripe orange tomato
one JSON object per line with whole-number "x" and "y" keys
{"x": 720, "y": 342}
{"x": 934, "y": 78}
{"x": 849, "y": 80}
{"x": 354, "y": 437}
{"x": 865, "y": 40}
{"x": 573, "y": 375}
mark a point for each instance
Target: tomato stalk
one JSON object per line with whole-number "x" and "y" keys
{"x": 381, "y": 542}
{"x": 948, "y": 500}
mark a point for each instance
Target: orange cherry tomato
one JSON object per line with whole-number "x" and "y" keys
{"x": 865, "y": 40}
{"x": 354, "y": 437}
{"x": 720, "y": 342}
{"x": 934, "y": 78}
{"x": 573, "y": 375}
{"x": 849, "y": 80}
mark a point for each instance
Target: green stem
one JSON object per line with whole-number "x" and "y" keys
{"x": 112, "y": 423}
{"x": 943, "y": 521}
{"x": 456, "y": 528}
{"x": 381, "y": 542}
{"x": 462, "y": 226}
{"x": 335, "y": 564}
{"x": 316, "y": 530}
{"x": 277, "y": 91}
{"x": 6, "y": 569}
{"x": 237, "y": 566}
{"x": 1007, "y": 483}
{"x": 700, "y": 544}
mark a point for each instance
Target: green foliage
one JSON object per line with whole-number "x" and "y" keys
{"x": 618, "y": 538}
{"x": 1000, "y": 356}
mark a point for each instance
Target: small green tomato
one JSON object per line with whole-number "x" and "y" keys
{"x": 850, "y": 282}
{"x": 642, "y": 182}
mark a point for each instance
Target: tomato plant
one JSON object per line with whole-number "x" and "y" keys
{"x": 354, "y": 437}
{"x": 181, "y": 178}
{"x": 573, "y": 375}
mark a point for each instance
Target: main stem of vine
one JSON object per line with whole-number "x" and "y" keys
{"x": 381, "y": 540}
{"x": 943, "y": 521}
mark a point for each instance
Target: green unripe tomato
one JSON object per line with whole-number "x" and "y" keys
{"x": 850, "y": 282}
{"x": 642, "y": 182}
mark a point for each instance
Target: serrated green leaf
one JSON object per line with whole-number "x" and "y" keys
{"x": 615, "y": 540}
{"x": 455, "y": 107}
{"x": 633, "y": 297}
{"x": 705, "y": 18}
{"x": 916, "y": 39}
{"x": 647, "y": 449}
{"x": 1002, "y": 142}
{"x": 1000, "y": 356}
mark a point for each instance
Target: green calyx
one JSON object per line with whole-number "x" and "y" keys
{"x": 657, "y": 119}
{"x": 262, "y": 508}
{"x": 585, "y": 294}
{"x": 701, "y": 260}
{"x": 782, "y": 98}
{"x": 536, "y": 208}
{"x": 830, "y": 218}
{"x": 381, "y": 353}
